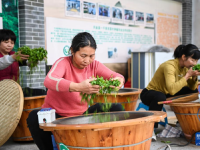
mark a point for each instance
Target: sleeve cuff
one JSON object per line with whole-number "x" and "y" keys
{"x": 10, "y": 59}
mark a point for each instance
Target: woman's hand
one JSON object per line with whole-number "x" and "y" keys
{"x": 21, "y": 56}
{"x": 191, "y": 73}
{"x": 121, "y": 82}
{"x": 84, "y": 87}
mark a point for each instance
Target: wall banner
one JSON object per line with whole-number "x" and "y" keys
{"x": 9, "y": 18}
{"x": 1, "y": 23}
{"x": 167, "y": 30}
{"x": 0, "y": 6}
{"x": 115, "y": 43}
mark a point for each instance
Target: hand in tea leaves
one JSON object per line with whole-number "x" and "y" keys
{"x": 20, "y": 56}
{"x": 106, "y": 87}
{"x": 196, "y": 67}
{"x": 115, "y": 82}
{"x": 192, "y": 73}
{"x": 87, "y": 88}
{"x": 35, "y": 55}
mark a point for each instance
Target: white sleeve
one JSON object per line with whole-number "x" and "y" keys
{"x": 6, "y": 61}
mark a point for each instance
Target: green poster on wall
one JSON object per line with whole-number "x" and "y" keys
{"x": 9, "y": 15}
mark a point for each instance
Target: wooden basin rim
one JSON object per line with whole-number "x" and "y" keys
{"x": 156, "y": 117}
{"x": 91, "y": 119}
{"x": 180, "y": 96}
{"x": 34, "y": 97}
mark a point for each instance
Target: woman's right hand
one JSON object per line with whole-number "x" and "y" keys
{"x": 191, "y": 73}
{"x": 21, "y": 56}
{"x": 85, "y": 87}
{"x": 88, "y": 88}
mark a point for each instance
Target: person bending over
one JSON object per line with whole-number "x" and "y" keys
{"x": 173, "y": 77}
{"x": 68, "y": 77}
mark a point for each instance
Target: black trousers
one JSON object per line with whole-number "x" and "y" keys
{"x": 151, "y": 98}
{"x": 43, "y": 138}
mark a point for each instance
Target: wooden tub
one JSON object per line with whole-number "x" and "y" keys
{"x": 188, "y": 115}
{"x": 81, "y": 132}
{"x": 127, "y": 97}
{"x": 22, "y": 132}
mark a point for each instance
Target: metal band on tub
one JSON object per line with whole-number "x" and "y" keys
{"x": 190, "y": 114}
{"x": 106, "y": 147}
{"x": 31, "y": 109}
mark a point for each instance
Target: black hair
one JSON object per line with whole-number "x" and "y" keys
{"x": 189, "y": 50}
{"x": 83, "y": 39}
{"x": 6, "y": 34}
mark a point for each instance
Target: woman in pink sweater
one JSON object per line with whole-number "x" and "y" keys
{"x": 67, "y": 78}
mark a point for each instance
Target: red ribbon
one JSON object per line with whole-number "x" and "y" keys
{"x": 167, "y": 102}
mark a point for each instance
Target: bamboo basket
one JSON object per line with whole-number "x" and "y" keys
{"x": 127, "y": 97}
{"x": 81, "y": 132}
{"x": 188, "y": 115}
{"x": 11, "y": 105}
{"x": 181, "y": 98}
{"x": 22, "y": 132}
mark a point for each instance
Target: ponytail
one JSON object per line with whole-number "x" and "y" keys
{"x": 178, "y": 51}
{"x": 189, "y": 50}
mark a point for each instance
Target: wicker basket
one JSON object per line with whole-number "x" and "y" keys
{"x": 11, "y": 105}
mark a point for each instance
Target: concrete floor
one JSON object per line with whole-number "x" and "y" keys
{"x": 156, "y": 145}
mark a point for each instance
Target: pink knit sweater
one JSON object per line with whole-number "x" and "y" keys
{"x": 58, "y": 81}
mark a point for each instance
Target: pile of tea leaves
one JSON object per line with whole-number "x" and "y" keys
{"x": 105, "y": 88}
{"x": 196, "y": 67}
{"x": 35, "y": 55}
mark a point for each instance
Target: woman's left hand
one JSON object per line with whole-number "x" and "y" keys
{"x": 196, "y": 73}
{"x": 121, "y": 82}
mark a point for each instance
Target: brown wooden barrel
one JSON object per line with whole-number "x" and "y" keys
{"x": 22, "y": 132}
{"x": 84, "y": 132}
{"x": 188, "y": 115}
{"x": 127, "y": 97}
